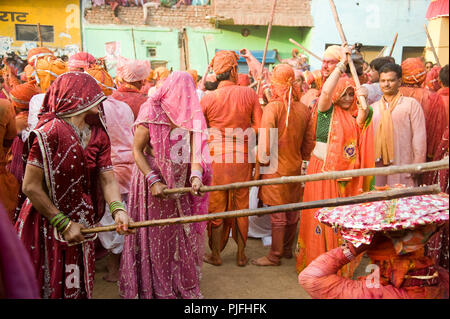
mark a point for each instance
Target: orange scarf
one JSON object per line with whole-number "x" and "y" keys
{"x": 384, "y": 138}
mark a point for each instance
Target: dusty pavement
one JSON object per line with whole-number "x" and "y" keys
{"x": 230, "y": 281}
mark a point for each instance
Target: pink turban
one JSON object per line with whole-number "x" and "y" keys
{"x": 81, "y": 60}
{"x": 133, "y": 70}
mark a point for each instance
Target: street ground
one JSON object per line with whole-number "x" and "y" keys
{"x": 229, "y": 281}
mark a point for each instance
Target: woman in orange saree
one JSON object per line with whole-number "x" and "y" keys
{"x": 344, "y": 141}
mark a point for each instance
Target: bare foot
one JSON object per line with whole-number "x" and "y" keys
{"x": 215, "y": 261}
{"x": 242, "y": 261}
{"x": 111, "y": 277}
{"x": 264, "y": 261}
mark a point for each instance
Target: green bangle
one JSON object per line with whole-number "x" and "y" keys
{"x": 59, "y": 218}
{"x": 54, "y": 218}
{"x": 64, "y": 224}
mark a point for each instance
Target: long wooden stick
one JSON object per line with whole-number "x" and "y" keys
{"x": 269, "y": 29}
{"x": 378, "y": 171}
{"x": 305, "y": 49}
{"x": 393, "y": 45}
{"x": 364, "y": 198}
{"x": 432, "y": 46}
{"x": 134, "y": 46}
{"x": 39, "y": 33}
{"x": 361, "y": 99}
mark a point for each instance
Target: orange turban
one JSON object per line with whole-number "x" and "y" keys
{"x": 224, "y": 61}
{"x": 36, "y": 53}
{"x": 413, "y": 71}
{"x": 104, "y": 80}
{"x": 161, "y": 73}
{"x": 28, "y": 72}
{"x": 21, "y": 94}
{"x": 48, "y": 69}
{"x": 282, "y": 80}
{"x": 194, "y": 74}
{"x": 150, "y": 76}
{"x": 333, "y": 52}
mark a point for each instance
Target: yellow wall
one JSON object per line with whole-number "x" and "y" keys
{"x": 439, "y": 32}
{"x": 63, "y": 15}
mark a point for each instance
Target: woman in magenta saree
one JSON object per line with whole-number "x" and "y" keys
{"x": 68, "y": 153}
{"x": 165, "y": 261}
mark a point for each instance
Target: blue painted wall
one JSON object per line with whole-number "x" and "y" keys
{"x": 371, "y": 22}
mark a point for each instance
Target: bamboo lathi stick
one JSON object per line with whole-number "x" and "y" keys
{"x": 378, "y": 171}
{"x": 393, "y": 44}
{"x": 305, "y": 49}
{"x": 269, "y": 29}
{"x": 334, "y": 202}
{"x": 432, "y": 47}
{"x": 361, "y": 99}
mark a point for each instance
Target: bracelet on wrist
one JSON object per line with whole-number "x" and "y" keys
{"x": 152, "y": 178}
{"x": 196, "y": 173}
{"x": 115, "y": 206}
{"x": 67, "y": 227}
{"x": 60, "y": 221}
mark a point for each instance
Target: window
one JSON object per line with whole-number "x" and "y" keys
{"x": 412, "y": 52}
{"x": 29, "y": 32}
{"x": 151, "y": 51}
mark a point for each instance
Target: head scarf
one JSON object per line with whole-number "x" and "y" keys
{"x": 283, "y": 87}
{"x": 104, "y": 80}
{"x": 431, "y": 81}
{"x": 36, "y": 53}
{"x": 71, "y": 94}
{"x": 48, "y": 68}
{"x": 81, "y": 60}
{"x": 194, "y": 74}
{"x": 333, "y": 52}
{"x": 22, "y": 94}
{"x": 133, "y": 70}
{"x": 225, "y": 61}
{"x": 413, "y": 71}
{"x": 161, "y": 73}
{"x": 341, "y": 88}
{"x": 176, "y": 102}
{"x": 243, "y": 80}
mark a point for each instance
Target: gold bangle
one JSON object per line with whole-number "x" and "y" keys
{"x": 67, "y": 227}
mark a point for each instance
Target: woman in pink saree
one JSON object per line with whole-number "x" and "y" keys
{"x": 165, "y": 262}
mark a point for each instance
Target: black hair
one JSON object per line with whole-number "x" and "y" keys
{"x": 223, "y": 76}
{"x": 392, "y": 67}
{"x": 378, "y": 63}
{"x": 443, "y": 75}
{"x": 211, "y": 86}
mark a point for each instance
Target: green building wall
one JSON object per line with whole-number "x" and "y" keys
{"x": 167, "y": 44}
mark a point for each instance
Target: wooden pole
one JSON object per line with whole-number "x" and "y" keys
{"x": 39, "y": 33}
{"x": 393, "y": 44}
{"x": 361, "y": 99}
{"x": 334, "y": 202}
{"x": 206, "y": 48}
{"x": 432, "y": 46}
{"x": 378, "y": 171}
{"x": 134, "y": 46}
{"x": 269, "y": 29}
{"x": 305, "y": 49}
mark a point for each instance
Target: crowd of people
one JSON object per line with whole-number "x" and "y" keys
{"x": 80, "y": 148}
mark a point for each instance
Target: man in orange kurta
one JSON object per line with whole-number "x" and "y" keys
{"x": 296, "y": 140}
{"x": 9, "y": 187}
{"x": 231, "y": 111}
